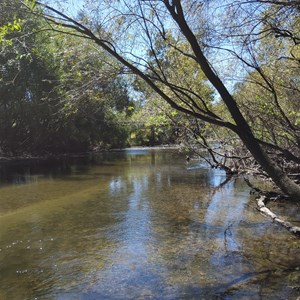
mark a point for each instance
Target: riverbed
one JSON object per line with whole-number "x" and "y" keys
{"x": 137, "y": 224}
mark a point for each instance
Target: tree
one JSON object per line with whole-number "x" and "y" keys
{"x": 51, "y": 101}
{"x": 190, "y": 23}
{"x": 94, "y": 97}
{"x": 25, "y": 86}
{"x": 166, "y": 124}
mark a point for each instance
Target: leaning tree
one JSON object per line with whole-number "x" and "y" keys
{"x": 129, "y": 30}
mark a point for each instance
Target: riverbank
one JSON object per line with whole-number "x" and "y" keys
{"x": 41, "y": 157}
{"x": 7, "y": 158}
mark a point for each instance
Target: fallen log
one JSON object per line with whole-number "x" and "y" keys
{"x": 261, "y": 200}
{"x": 264, "y": 197}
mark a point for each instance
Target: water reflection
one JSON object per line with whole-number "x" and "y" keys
{"x": 137, "y": 225}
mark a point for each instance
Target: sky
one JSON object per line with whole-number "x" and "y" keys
{"x": 70, "y": 7}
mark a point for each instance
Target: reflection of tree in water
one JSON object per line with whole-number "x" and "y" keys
{"x": 22, "y": 172}
{"x": 197, "y": 242}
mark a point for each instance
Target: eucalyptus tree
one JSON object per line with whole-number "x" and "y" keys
{"x": 128, "y": 29}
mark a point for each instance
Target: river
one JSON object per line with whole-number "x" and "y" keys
{"x": 137, "y": 224}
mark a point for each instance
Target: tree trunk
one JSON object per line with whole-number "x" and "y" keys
{"x": 243, "y": 130}
{"x": 286, "y": 184}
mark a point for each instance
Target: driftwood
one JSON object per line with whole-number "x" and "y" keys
{"x": 261, "y": 199}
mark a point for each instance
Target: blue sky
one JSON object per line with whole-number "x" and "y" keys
{"x": 70, "y": 7}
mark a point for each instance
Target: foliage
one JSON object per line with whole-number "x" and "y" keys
{"x": 50, "y": 101}
{"x": 167, "y": 125}
{"x": 269, "y": 93}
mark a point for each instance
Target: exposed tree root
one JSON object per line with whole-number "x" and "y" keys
{"x": 262, "y": 198}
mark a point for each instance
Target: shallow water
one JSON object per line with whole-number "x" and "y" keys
{"x": 138, "y": 224}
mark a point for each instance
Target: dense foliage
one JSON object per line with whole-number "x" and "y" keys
{"x": 57, "y": 96}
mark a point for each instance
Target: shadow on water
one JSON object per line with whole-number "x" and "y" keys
{"x": 138, "y": 225}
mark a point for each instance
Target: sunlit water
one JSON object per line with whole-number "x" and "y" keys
{"x": 138, "y": 225}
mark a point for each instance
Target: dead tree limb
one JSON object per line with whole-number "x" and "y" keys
{"x": 261, "y": 199}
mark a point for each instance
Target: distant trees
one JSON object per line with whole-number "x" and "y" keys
{"x": 170, "y": 125}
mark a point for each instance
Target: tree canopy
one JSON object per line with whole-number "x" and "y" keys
{"x": 56, "y": 95}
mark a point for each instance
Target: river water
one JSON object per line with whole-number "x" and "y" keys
{"x": 138, "y": 224}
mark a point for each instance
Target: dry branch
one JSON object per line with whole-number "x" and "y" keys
{"x": 261, "y": 199}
